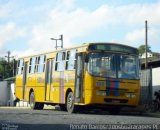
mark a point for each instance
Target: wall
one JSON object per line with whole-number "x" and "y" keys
{"x": 4, "y": 93}
{"x": 7, "y": 91}
{"x": 155, "y": 80}
{"x": 148, "y": 55}
{"x": 12, "y": 94}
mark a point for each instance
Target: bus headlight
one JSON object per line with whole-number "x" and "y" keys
{"x": 101, "y": 93}
{"x": 130, "y": 95}
{"x": 133, "y": 95}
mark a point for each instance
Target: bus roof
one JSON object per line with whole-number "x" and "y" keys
{"x": 84, "y": 46}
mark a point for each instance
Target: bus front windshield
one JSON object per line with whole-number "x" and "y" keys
{"x": 113, "y": 65}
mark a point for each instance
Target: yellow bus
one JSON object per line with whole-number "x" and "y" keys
{"x": 93, "y": 74}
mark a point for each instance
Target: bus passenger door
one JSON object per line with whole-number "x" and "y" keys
{"x": 49, "y": 78}
{"x": 79, "y": 78}
{"x": 24, "y": 78}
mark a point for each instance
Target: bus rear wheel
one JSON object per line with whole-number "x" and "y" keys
{"x": 71, "y": 108}
{"x": 33, "y": 104}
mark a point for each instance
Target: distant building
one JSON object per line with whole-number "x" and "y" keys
{"x": 151, "y": 64}
{"x": 151, "y": 56}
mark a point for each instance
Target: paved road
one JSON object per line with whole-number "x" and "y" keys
{"x": 24, "y": 118}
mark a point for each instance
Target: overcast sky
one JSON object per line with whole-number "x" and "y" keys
{"x": 26, "y": 26}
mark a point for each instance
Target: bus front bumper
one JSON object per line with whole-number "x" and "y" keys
{"x": 100, "y": 97}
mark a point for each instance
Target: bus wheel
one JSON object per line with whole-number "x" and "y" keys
{"x": 114, "y": 111}
{"x": 70, "y": 103}
{"x": 33, "y": 104}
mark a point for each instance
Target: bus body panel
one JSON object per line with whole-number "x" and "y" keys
{"x": 27, "y": 92}
{"x": 40, "y": 87}
{"x": 97, "y": 91}
{"x": 62, "y": 81}
{"x": 19, "y": 87}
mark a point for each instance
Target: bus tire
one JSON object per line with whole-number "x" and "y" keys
{"x": 33, "y": 104}
{"x": 70, "y": 103}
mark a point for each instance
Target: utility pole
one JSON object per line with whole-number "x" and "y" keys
{"x": 8, "y": 56}
{"x": 8, "y": 64}
{"x": 61, "y": 39}
{"x": 8, "y": 60}
{"x": 13, "y": 66}
{"x": 146, "y": 44}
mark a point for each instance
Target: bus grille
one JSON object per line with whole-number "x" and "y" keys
{"x": 115, "y": 92}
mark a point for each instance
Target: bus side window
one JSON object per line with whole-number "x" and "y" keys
{"x": 60, "y": 61}
{"x": 67, "y": 59}
{"x": 71, "y": 59}
{"x": 37, "y": 65}
{"x": 20, "y": 67}
{"x": 32, "y": 65}
{"x": 41, "y": 64}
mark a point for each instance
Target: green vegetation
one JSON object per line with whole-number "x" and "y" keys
{"x": 7, "y": 70}
{"x": 142, "y": 49}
